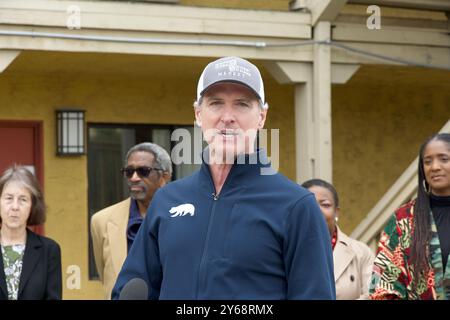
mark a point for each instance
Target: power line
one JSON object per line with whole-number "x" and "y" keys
{"x": 360, "y": 52}
{"x": 254, "y": 44}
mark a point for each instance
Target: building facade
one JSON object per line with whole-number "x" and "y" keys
{"x": 352, "y": 102}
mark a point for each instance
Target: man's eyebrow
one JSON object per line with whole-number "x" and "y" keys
{"x": 213, "y": 98}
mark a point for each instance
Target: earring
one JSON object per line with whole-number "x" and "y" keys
{"x": 336, "y": 219}
{"x": 424, "y": 183}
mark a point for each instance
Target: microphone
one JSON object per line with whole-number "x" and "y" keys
{"x": 135, "y": 289}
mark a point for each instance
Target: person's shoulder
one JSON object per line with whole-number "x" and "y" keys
{"x": 405, "y": 211}
{"x": 105, "y": 213}
{"x": 50, "y": 243}
{"x": 45, "y": 241}
{"x": 282, "y": 183}
{"x": 360, "y": 248}
{"x": 187, "y": 182}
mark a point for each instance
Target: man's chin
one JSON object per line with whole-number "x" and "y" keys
{"x": 137, "y": 196}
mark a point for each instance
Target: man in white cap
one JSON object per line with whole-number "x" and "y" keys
{"x": 235, "y": 229}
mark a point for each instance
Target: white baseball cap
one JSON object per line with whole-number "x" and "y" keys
{"x": 231, "y": 69}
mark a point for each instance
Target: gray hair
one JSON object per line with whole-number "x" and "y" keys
{"x": 162, "y": 158}
{"x": 22, "y": 176}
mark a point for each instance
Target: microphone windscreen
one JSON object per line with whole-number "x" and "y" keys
{"x": 135, "y": 289}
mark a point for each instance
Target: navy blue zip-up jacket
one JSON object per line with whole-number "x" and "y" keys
{"x": 262, "y": 237}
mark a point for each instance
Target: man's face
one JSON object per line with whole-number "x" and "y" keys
{"x": 142, "y": 188}
{"x": 230, "y": 116}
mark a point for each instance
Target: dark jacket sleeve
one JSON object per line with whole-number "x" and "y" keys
{"x": 308, "y": 254}
{"x": 53, "y": 290}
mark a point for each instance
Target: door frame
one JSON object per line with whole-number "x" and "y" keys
{"x": 38, "y": 152}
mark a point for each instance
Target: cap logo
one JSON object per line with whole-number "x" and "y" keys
{"x": 233, "y": 69}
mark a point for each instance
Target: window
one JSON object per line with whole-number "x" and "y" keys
{"x": 107, "y": 149}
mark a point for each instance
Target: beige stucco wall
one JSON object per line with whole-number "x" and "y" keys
{"x": 380, "y": 118}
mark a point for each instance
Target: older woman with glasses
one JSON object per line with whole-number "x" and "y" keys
{"x": 30, "y": 268}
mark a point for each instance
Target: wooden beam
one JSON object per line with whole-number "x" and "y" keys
{"x": 158, "y": 18}
{"x": 304, "y": 128}
{"x": 10, "y": 42}
{"x": 435, "y": 5}
{"x": 324, "y": 10}
{"x": 408, "y": 24}
{"x": 7, "y": 57}
{"x": 154, "y": 10}
{"x": 162, "y": 1}
{"x": 393, "y": 35}
{"x": 322, "y": 103}
{"x": 288, "y": 72}
{"x": 341, "y": 73}
{"x": 425, "y": 55}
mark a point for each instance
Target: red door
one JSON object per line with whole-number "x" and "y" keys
{"x": 21, "y": 143}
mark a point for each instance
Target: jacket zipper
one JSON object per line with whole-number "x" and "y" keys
{"x": 205, "y": 248}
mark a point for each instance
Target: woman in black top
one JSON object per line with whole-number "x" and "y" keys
{"x": 436, "y": 162}
{"x": 30, "y": 267}
{"x": 413, "y": 251}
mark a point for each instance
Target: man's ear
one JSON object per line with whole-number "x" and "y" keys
{"x": 262, "y": 120}
{"x": 198, "y": 116}
{"x": 164, "y": 179}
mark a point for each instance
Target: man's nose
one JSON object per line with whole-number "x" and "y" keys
{"x": 135, "y": 177}
{"x": 228, "y": 115}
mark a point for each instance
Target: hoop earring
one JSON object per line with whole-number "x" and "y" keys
{"x": 424, "y": 183}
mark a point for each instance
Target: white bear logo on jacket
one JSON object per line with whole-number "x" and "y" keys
{"x": 182, "y": 210}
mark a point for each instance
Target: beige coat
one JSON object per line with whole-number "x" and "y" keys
{"x": 108, "y": 229}
{"x": 353, "y": 262}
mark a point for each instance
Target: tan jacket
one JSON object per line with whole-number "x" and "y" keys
{"x": 353, "y": 261}
{"x": 108, "y": 229}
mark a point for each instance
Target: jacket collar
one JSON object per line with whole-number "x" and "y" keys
{"x": 342, "y": 254}
{"x": 441, "y": 276}
{"x": 31, "y": 256}
{"x": 3, "y": 288}
{"x": 33, "y": 251}
{"x": 116, "y": 229}
{"x": 245, "y": 167}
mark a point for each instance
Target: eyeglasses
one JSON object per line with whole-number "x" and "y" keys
{"x": 143, "y": 172}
